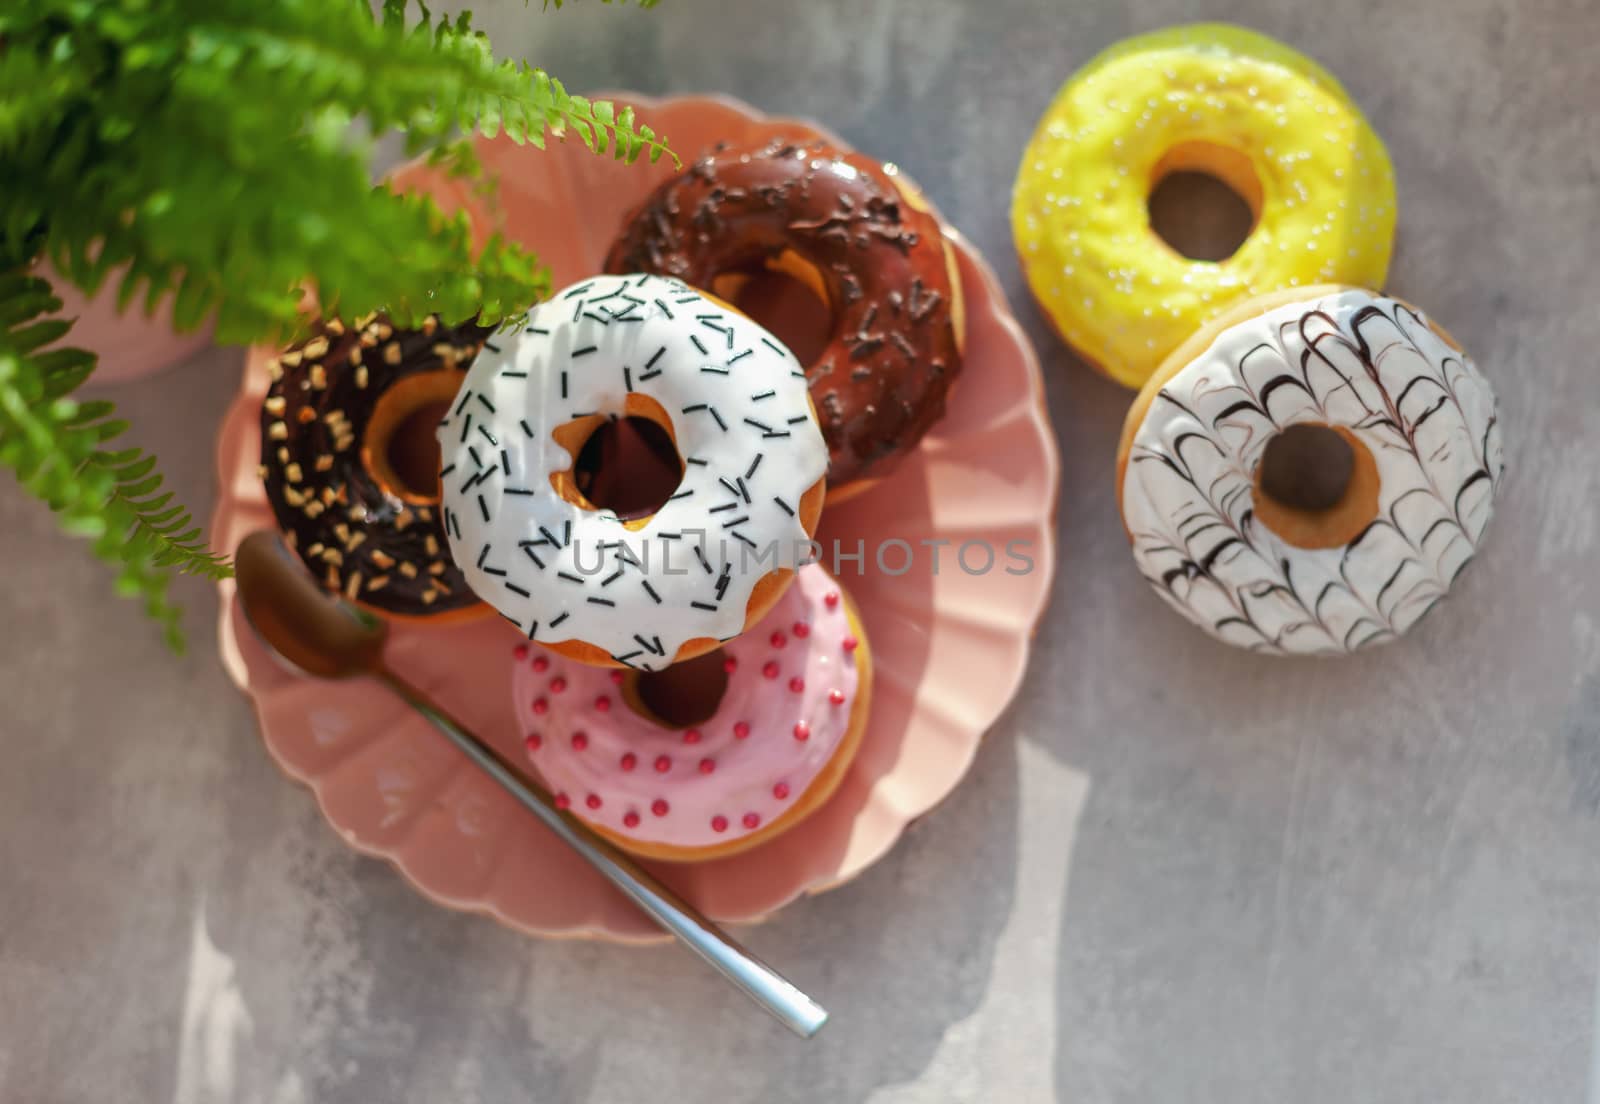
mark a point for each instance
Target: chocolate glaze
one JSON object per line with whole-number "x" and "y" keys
{"x": 358, "y": 538}
{"x": 881, "y": 381}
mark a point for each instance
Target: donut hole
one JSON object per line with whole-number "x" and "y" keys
{"x": 401, "y": 447}
{"x": 682, "y": 695}
{"x": 1316, "y": 486}
{"x": 786, "y": 296}
{"x": 628, "y": 465}
{"x": 1204, "y": 200}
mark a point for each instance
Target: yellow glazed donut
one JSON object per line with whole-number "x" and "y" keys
{"x": 1268, "y": 122}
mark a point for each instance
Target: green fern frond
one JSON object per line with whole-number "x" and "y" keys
{"x": 202, "y": 153}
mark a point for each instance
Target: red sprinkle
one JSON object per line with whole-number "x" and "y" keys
{"x": 541, "y": 706}
{"x": 836, "y": 697}
{"x": 602, "y": 704}
{"x": 593, "y": 801}
{"x": 831, "y": 598}
{"x": 729, "y": 664}
{"x": 741, "y": 730}
{"x": 719, "y": 823}
{"x": 659, "y": 807}
{"x": 850, "y": 644}
{"x": 557, "y": 684}
{"x": 781, "y": 790}
{"x": 770, "y": 670}
{"x": 616, "y": 677}
{"x": 797, "y": 684}
{"x": 630, "y": 819}
{"x": 563, "y": 801}
{"x": 663, "y": 764}
{"x": 802, "y": 731}
{"x": 752, "y": 820}
{"x": 691, "y": 736}
{"x": 779, "y": 640}
{"x": 520, "y": 651}
{"x": 533, "y": 741}
{"x": 801, "y": 629}
{"x": 579, "y": 741}
{"x": 707, "y": 765}
{"x": 628, "y": 761}
{"x": 541, "y": 662}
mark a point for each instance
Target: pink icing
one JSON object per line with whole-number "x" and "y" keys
{"x": 792, "y": 681}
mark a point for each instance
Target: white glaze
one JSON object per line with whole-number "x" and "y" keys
{"x": 738, "y": 403}
{"x": 1352, "y": 359}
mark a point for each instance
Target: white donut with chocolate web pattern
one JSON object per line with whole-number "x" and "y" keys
{"x": 633, "y": 591}
{"x": 1427, "y": 459}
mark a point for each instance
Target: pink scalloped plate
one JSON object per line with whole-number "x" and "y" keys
{"x": 951, "y": 647}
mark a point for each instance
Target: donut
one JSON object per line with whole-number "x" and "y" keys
{"x": 350, "y": 465}
{"x": 1231, "y": 550}
{"x": 732, "y": 771}
{"x": 652, "y": 586}
{"x": 859, "y": 235}
{"x": 1266, "y": 121}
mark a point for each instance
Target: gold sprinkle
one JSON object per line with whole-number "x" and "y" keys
{"x": 292, "y": 539}
{"x": 403, "y": 520}
{"x": 333, "y": 556}
{"x": 306, "y": 415}
{"x": 355, "y": 353}
{"x": 430, "y": 544}
{"x": 291, "y": 472}
{"x": 293, "y": 497}
{"x": 357, "y": 513}
{"x": 313, "y": 509}
{"x": 382, "y": 559}
{"x": 440, "y": 585}
{"x": 365, "y": 320}
{"x": 437, "y": 567}
{"x": 430, "y": 323}
{"x": 424, "y": 514}
{"x": 315, "y": 550}
{"x": 319, "y": 377}
{"x": 343, "y": 442}
{"x": 291, "y": 359}
{"x": 378, "y": 582}
{"x": 355, "y": 541}
{"x": 283, "y": 454}
{"x": 408, "y": 569}
{"x": 342, "y": 531}
{"x": 316, "y": 348}
{"x": 361, "y": 376}
{"x": 330, "y": 496}
{"x": 274, "y": 370}
{"x": 352, "y": 585}
{"x": 278, "y": 431}
{"x": 447, "y": 353}
{"x": 324, "y": 462}
{"x": 334, "y": 326}
{"x": 331, "y": 579}
{"x": 383, "y": 330}
{"x": 428, "y": 597}
{"x": 368, "y": 340}
{"x": 333, "y": 418}
{"x": 275, "y": 405}
{"x": 391, "y": 353}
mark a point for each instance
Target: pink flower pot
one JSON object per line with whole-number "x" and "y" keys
{"x": 130, "y": 345}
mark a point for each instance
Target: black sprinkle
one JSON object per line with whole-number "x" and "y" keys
{"x": 646, "y": 643}
{"x": 484, "y": 399}
{"x": 724, "y": 506}
{"x": 751, "y": 471}
{"x": 483, "y": 508}
{"x": 492, "y": 439}
{"x": 483, "y": 555}
{"x": 577, "y": 312}
{"x": 650, "y": 590}
{"x": 731, "y": 488}
{"x": 798, "y": 418}
{"x": 627, "y": 377}
{"x": 476, "y": 459}
{"x": 664, "y": 309}
{"x": 597, "y": 318}
{"x": 774, "y": 346}
{"x": 495, "y": 571}
{"x": 465, "y": 399}
{"x": 611, "y": 578}
{"x": 798, "y": 374}
{"x": 570, "y": 577}
{"x": 623, "y": 659}
{"x": 526, "y": 428}
{"x": 517, "y": 491}
{"x": 688, "y": 299}
{"x": 585, "y": 351}
{"x": 704, "y": 606}
{"x": 722, "y": 424}
{"x": 693, "y": 407}
{"x": 763, "y": 395}
{"x": 554, "y": 621}
{"x": 699, "y": 554}
{"x": 695, "y": 460}
{"x": 579, "y": 290}
{"x": 696, "y": 342}
{"x": 740, "y": 356}
{"x": 774, "y": 436}
{"x": 603, "y": 298}
{"x": 549, "y": 536}
{"x": 762, "y": 426}
{"x": 740, "y": 520}
{"x": 563, "y": 384}
{"x": 537, "y": 330}
{"x": 446, "y": 470}
{"x": 505, "y": 461}
{"x": 600, "y": 601}
{"x": 651, "y": 363}
{"x": 515, "y": 375}
{"x": 740, "y": 536}
{"x": 533, "y": 628}
{"x": 566, "y": 533}
{"x": 784, "y": 505}
{"x": 744, "y": 492}
{"x": 466, "y": 427}
{"x": 712, "y": 368}
{"x": 650, "y": 375}
{"x": 534, "y": 557}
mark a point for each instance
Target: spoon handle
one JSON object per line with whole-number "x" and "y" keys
{"x": 796, "y": 1011}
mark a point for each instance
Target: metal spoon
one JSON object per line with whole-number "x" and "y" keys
{"x": 332, "y": 639}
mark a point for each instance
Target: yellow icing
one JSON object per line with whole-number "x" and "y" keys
{"x": 1267, "y": 120}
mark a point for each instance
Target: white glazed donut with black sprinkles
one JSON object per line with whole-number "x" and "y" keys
{"x": 1427, "y": 458}
{"x": 641, "y": 592}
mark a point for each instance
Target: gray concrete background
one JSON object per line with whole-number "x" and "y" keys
{"x": 1176, "y": 873}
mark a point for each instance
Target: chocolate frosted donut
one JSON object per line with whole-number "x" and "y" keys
{"x": 350, "y": 463}
{"x": 865, "y": 243}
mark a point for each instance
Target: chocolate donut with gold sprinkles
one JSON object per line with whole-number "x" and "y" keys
{"x": 860, "y": 236}
{"x": 351, "y": 464}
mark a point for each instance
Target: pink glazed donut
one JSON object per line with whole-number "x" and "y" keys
{"x": 767, "y": 754}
